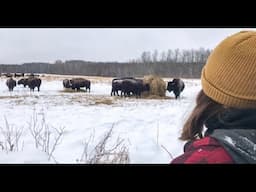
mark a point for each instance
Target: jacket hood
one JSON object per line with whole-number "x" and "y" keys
{"x": 235, "y": 129}
{"x": 239, "y": 143}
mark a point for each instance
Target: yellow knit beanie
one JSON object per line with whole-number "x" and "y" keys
{"x": 229, "y": 76}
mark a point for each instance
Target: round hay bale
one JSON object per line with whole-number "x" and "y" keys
{"x": 156, "y": 84}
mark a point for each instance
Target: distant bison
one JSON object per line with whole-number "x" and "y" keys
{"x": 77, "y": 83}
{"x": 18, "y": 74}
{"x": 177, "y": 86}
{"x": 134, "y": 86}
{"x": 32, "y": 75}
{"x": 117, "y": 85}
{"x": 23, "y": 82}
{"x": 8, "y": 75}
{"x": 34, "y": 82}
{"x": 66, "y": 83}
{"x": 11, "y": 83}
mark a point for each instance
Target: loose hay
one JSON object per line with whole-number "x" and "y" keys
{"x": 69, "y": 90}
{"x": 103, "y": 101}
{"x": 157, "y": 86}
{"x": 157, "y": 97}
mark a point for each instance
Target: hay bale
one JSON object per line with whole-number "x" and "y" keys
{"x": 156, "y": 84}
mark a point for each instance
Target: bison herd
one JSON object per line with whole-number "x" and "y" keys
{"x": 127, "y": 86}
{"x": 31, "y": 82}
{"x": 131, "y": 85}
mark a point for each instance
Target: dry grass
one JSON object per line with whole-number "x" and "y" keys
{"x": 102, "y": 153}
{"x": 10, "y": 137}
{"x": 46, "y": 137}
{"x": 9, "y": 97}
{"x": 66, "y": 90}
{"x": 104, "y": 101}
{"x": 86, "y": 99}
{"x": 156, "y": 97}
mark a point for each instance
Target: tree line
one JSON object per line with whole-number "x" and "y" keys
{"x": 171, "y": 63}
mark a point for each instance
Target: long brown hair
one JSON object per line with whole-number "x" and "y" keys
{"x": 205, "y": 108}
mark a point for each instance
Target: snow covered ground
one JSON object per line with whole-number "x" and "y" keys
{"x": 147, "y": 125}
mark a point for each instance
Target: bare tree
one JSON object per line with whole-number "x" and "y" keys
{"x": 169, "y": 55}
{"x": 155, "y": 56}
{"x": 146, "y": 57}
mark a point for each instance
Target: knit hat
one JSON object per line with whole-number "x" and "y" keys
{"x": 229, "y": 76}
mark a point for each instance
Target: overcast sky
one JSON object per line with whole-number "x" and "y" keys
{"x": 117, "y": 44}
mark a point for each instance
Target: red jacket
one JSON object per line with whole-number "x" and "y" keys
{"x": 205, "y": 151}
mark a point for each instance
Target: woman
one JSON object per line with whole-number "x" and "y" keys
{"x": 222, "y": 126}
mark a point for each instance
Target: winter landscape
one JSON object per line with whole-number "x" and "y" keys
{"x": 56, "y": 125}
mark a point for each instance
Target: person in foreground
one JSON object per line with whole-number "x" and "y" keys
{"x": 222, "y": 126}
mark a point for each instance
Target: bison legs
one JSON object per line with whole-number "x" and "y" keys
{"x": 87, "y": 88}
{"x": 177, "y": 95}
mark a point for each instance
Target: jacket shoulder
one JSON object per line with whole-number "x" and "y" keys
{"x": 203, "y": 151}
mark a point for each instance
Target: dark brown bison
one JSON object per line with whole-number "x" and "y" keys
{"x": 134, "y": 86}
{"x": 34, "y": 82}
{"x": 66, "y": 83}
{"x": 18, "y": 74}
{"x": 117, "y": 85}
{"x": 11, "y": 83}
{"x": 23, "y": 82}
{"x": 32, "y": 75}
{"x": 177, "y": 86}
{"x": 8, "y": 75}
{"x": 77, "y": 83}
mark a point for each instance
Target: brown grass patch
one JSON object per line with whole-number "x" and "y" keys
{"x": 156, "y": 97}
{"x": 65, "y": 90}
{"x": 104, "y": 101}
{"x": 9, "y": 97}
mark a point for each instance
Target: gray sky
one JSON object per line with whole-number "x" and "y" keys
{"x": 103, "y": 44}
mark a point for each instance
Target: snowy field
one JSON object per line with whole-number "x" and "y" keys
{"x": 149, "y": 127}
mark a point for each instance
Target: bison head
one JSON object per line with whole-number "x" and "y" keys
{"x": 146, "y": 87}
{"x": 170, "y": 86}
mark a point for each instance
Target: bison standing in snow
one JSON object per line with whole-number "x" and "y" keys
{"x": 117, "y": 85}
{"x": 134, "y": 86}
{"x": 33, "y": 82}
{"x": 177, "y": 86}
{"x": 66, "y": 83}
{"x": 23, "y": 81}
{"x": 77, "y": 83}
{"x": 11, "y": 83}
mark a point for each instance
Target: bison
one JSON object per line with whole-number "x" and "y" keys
{"x": 66, "y": 83}
{"x": 11, "y": 83}
{"x": 18, "y": 74}
{"x": 77, "y": 83}
{"x": 134, "y": 86}
{"x": 117, "y": 85}
{"x": 23, "y": 82}
{"x": 8, "y": 75}
{"x": 34, "y": 82}
{"x": 177, "y": 86}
